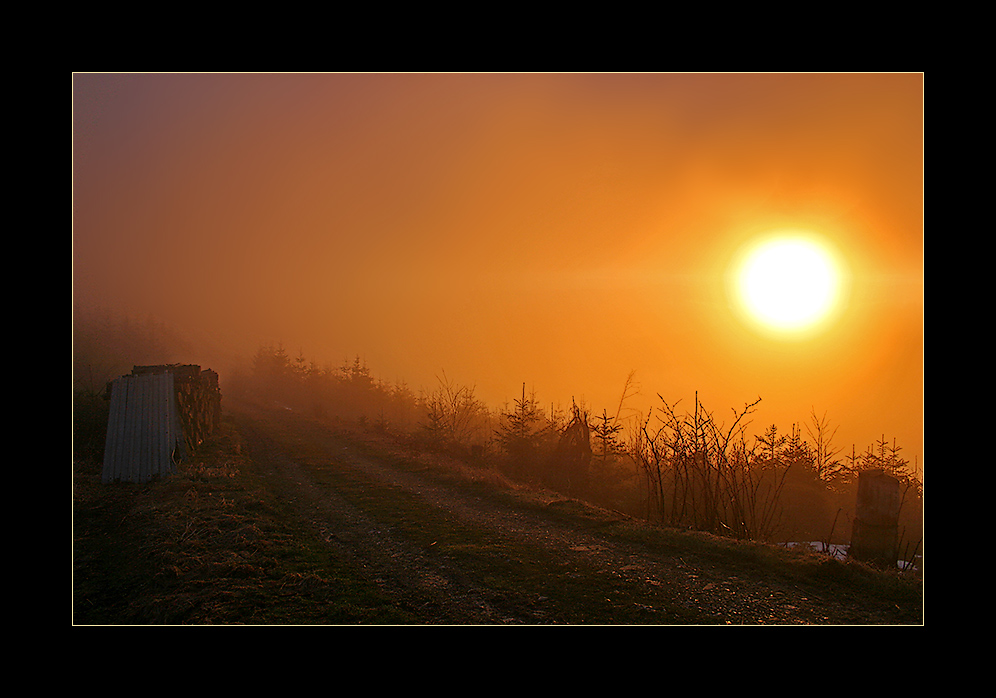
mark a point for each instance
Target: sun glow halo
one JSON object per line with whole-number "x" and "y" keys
{"x": 788, "y": 283}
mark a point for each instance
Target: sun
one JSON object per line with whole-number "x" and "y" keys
{"x": 789, "y": 282}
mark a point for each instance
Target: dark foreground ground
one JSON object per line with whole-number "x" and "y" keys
{"x": 280, "y": 520}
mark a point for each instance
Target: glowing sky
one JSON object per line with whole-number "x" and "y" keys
{"x": 558, "y": 230}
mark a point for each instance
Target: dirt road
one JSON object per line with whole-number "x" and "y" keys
{"x": 455, "y": 552}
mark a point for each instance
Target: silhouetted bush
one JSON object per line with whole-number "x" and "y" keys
{"x": 682, "y": 470}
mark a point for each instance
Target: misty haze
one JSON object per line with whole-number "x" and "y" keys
{"x": 630, "y": 307}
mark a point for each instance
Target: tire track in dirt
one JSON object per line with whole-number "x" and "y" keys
{"x": 676, "y": 589}
{"x": 402, "y": 570}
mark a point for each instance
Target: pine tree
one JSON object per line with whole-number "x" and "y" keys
{"x": 521, "y": 432}
{"x": 606, "y": 431}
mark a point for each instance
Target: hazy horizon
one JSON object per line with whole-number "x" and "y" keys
{"x": 558, "y": 230}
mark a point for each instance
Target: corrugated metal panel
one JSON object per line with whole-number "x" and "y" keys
{"x": 144, "y": 437}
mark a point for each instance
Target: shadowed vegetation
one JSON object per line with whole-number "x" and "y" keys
{"x": 686, "y": 470}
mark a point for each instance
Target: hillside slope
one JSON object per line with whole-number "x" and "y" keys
{"x": 284, "y": 520}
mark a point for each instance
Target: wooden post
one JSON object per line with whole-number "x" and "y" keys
{"x": 875, "y": 534}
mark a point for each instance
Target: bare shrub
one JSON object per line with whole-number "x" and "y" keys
{"x": 453, "y": 417}
{"x": 702, "y": 475}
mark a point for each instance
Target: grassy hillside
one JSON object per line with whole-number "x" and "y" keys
{"x": 224, "y": 542}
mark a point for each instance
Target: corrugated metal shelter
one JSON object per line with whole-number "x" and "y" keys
{"x": 144, "y": 436}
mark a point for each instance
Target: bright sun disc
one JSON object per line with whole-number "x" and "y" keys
{"x": 788, "y": 283}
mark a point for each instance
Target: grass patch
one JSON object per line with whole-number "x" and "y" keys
{"x": 495, "y": 558}
{"x": 209, "y": 545}
{"x": 221, "y": 543}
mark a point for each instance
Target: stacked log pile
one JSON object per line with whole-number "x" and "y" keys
{"x": 198, "y": 399}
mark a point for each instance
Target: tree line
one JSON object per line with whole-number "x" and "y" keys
{"x": 683, "y": 468}
{"x": 677, "y": 465}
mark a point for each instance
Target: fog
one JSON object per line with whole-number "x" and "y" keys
{"x": 558, "y": 230}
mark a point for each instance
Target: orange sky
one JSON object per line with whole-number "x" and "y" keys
{"x": 558, "y": 230}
